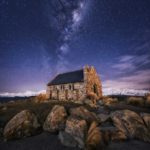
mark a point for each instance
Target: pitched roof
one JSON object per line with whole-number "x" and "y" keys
{"x": 69, "y": 77}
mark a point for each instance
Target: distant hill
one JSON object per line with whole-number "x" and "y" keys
{"x": 8, "y": 99}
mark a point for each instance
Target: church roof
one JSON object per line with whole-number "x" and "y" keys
{"x": 69, "y": 77}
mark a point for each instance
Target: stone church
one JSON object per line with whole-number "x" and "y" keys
{"x": 75, "y": 85}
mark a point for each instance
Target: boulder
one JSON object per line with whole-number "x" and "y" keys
{"x": 82, "y": 113}
{"x": 100, "y": 102}
{"x": 111, "y": 133}
{"x": 23, "y": 124}
{"x": 56, "y": 119}
{"x": 77, "y": 129}
{"x": 1, "y": 132}
{"x": 118, "y": 136}
{"x": 146, "y": 119}
{"x": 103, "y": 117}
{"x": 130, "y": 125}
{"x": 90, "y": 102}
{"x": 66, "y": 139}
{"x": 4, "y": 108}
{"x": 94, "y": 138}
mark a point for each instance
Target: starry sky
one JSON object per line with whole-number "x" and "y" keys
{"x": 41, "y": 38}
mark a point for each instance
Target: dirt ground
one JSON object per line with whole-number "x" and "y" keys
{"x": 46, "y": 141}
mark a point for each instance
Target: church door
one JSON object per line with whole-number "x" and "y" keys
{"x": 66, "y": 94}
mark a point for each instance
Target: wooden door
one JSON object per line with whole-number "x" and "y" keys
{"x": 66, "y": 94}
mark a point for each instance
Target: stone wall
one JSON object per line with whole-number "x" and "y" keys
{"x": 70, "y": 91}
{"x": 92, "y": 81}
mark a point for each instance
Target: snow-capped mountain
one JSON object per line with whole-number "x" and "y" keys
{"x": 111, "y": 91}
{"x": 21, "y": 94}
{"x": 106, "y": 91}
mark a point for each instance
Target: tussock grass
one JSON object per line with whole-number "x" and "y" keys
{"x": 136, "y": 101}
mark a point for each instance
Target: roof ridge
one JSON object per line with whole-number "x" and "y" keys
{"x": 69, "y": 72}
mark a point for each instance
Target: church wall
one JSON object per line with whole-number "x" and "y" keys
{"x": 72, "y": 91}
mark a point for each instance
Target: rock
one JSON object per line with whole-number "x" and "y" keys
{"x": 82, "y": 113}
{"x": 77, "y": 129}
{"x": 1, "y": 132}
{"x": 4, "y": 108}
{"x": 111, "y": 133}
{"x": 103, "y": 117}
{"x": 146, "y": 119}
{"x": 78, "y": 102}
{"x": 100, "y": 102}
{"x": 10, "y": 102}
{"x": 94, "y": 138}
{"x": 21, "y": 125}
{"x": 56, "y": 119}
{"x": 130, "y": 125}
{"x": 118, "y": 136}
{"x": 66, "y": 139}
{"x": 90, "y": 102}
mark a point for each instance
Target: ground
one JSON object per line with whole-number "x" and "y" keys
{"x": 46, "y": 141}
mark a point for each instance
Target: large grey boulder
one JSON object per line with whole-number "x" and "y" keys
{"x": 66, "y": 139}
{"x": 77, "y": 129}
{"x": 56, "y": 119}
{"x": 82, "y": 113}
{"x": 146, "y": 119}
{"x": 130, "y": 125}
{"x": 103, "y": 117}
{"x": 94, "y": 138}
{"x": 23, "y": 124}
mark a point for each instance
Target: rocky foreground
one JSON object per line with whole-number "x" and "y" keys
{"x": 78, "y": 128}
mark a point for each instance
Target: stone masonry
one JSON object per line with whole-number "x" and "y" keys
{"x": 76, "y": 85}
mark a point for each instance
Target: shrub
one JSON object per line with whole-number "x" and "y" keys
{"x": 110, "y": 101}
{"x": 92, "y": 96}
{"x": 147, "y": 97}
{"x": 136, "y": 101}
{"x": 41, "y": 98}
{"x": 91, "y": 99}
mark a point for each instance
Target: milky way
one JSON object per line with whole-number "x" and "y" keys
{"x": 66, "y": 18}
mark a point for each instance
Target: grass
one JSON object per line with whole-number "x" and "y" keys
{"x": 136, "y": 101}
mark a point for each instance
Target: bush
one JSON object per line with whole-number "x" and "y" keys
{"x": 41, "y": 98}
{"x": 91, "y": 99}
{"x": 92, "y": 96}
{"x": 110, "y": 101}
{"x": 136, "y": 101}
{"x": 147, "y": 102}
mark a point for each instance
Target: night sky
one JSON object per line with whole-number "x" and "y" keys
{"x": 40, "y": 38}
